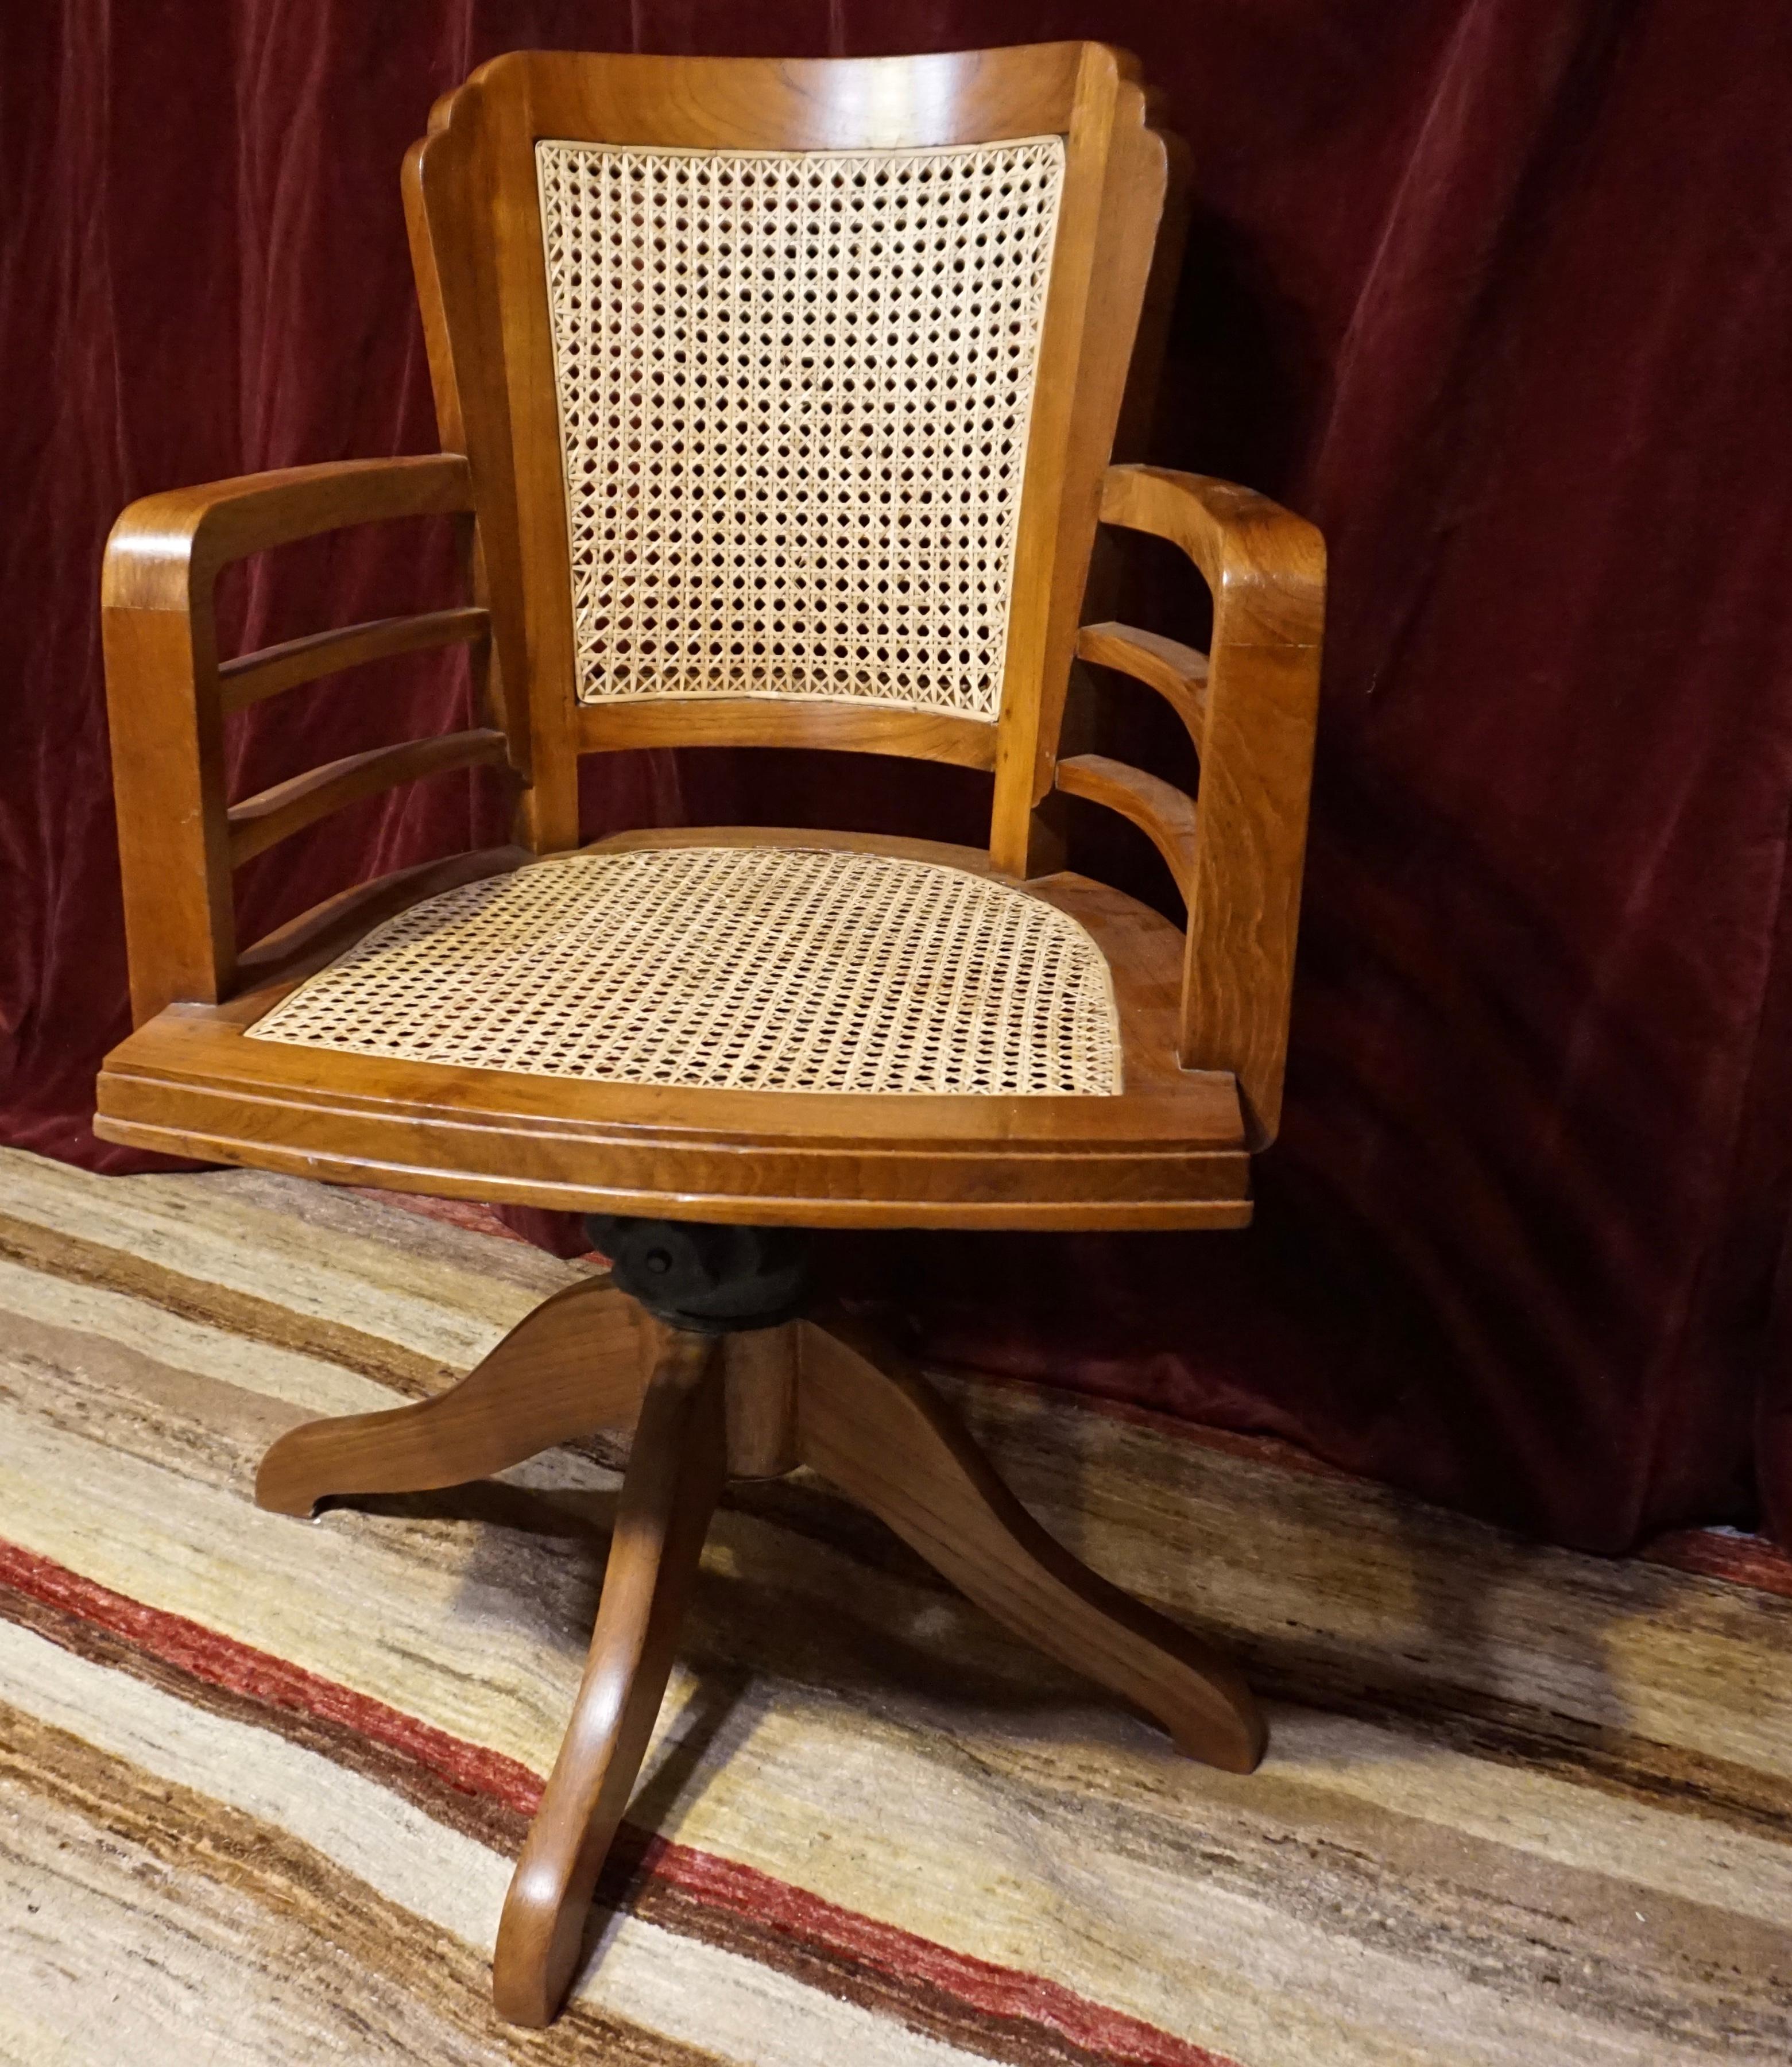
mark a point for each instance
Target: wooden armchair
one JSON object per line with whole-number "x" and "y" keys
{"x": 776, "y": 401}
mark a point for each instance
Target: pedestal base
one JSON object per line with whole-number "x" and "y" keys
{"x": 745, "y": 1393}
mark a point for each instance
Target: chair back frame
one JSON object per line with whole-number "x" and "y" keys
{"x": 474, "y": 207}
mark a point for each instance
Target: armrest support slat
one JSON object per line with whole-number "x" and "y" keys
{"x": 165, "y": 693}
{"x": 1157, "y": 808}
{"x": 274, "y": 815}
{"x": 271, "y": 669}
{"x": 1177, "y": 672}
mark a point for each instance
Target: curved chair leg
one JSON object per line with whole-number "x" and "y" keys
{"x": 880, "y": 1433}
{"x": 570, "y": 1367}
{"x": 675, "y": 1476}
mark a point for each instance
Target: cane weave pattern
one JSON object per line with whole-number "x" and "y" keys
{"x": 794, "y": 390}
{"x": 738, "y": 969}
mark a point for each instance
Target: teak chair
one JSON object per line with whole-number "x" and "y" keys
{"x": 777, "y": 404}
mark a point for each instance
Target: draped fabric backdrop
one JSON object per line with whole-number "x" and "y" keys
{"x": 1499, "y": 292}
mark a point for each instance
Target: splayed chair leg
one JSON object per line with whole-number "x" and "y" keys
{"x": 881, "y": 1434}
{"x": 574, "y": 1366}
{"x": 675, "y": 1475}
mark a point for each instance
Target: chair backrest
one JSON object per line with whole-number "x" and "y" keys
{"x": 787, "y": 387}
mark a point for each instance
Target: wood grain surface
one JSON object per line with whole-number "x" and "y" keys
{"x": 676, "y": 1473}
{"x": 571, "y": 1368}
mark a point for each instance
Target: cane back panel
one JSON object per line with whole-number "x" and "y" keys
{"x": 794, "y": 391}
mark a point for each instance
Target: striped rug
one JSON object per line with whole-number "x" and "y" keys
{"x": 262, "y": 1781}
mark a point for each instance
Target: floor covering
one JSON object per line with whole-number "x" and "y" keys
{"x": 263, "y": 1781}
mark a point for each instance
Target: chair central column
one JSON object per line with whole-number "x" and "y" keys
{"x": 747, "y": 1285}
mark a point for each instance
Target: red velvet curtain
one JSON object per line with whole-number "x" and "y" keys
{"x": 1498, "y": 291}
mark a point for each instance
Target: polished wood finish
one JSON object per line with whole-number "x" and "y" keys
{"x": 676, "y": 1473}
{"x": 758, "y": 1382}
{"x": 826, "y": 1392}
{"x": 272, "y": 669}
{"x": 571, "y": 1368}
{"x": 866, "y": 1420}
{"x": 1177, "y": 672}
{"x": 1267, "y": 571}
{"x": 273, "y": 815}
{"x": 195, "y": 1088}
{"x": 1108, "y": 225}
{"x": 1160, "y": 810}
{"x": 815, "y": 838}
{"x": 772, "y": 721}
{"x": 166, "y": 551}
{"x": 1167, "y": 1151}
{"x": 168, "y": 786}
{"x": 759, "y": 1368}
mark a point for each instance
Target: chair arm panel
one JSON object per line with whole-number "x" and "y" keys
{"x": 1267, "y": 570}
{"x": 165, "y": 696}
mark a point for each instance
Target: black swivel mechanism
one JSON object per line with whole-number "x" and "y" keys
{"x": 713, "y": 1281}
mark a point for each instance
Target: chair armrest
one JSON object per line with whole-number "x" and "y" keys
{"x": 1258, "y": 712}
{"x": 165, "y": 696}
{"x": 166, "y": 549}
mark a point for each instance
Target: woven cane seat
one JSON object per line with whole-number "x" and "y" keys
{"x": 739, "y": 968}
